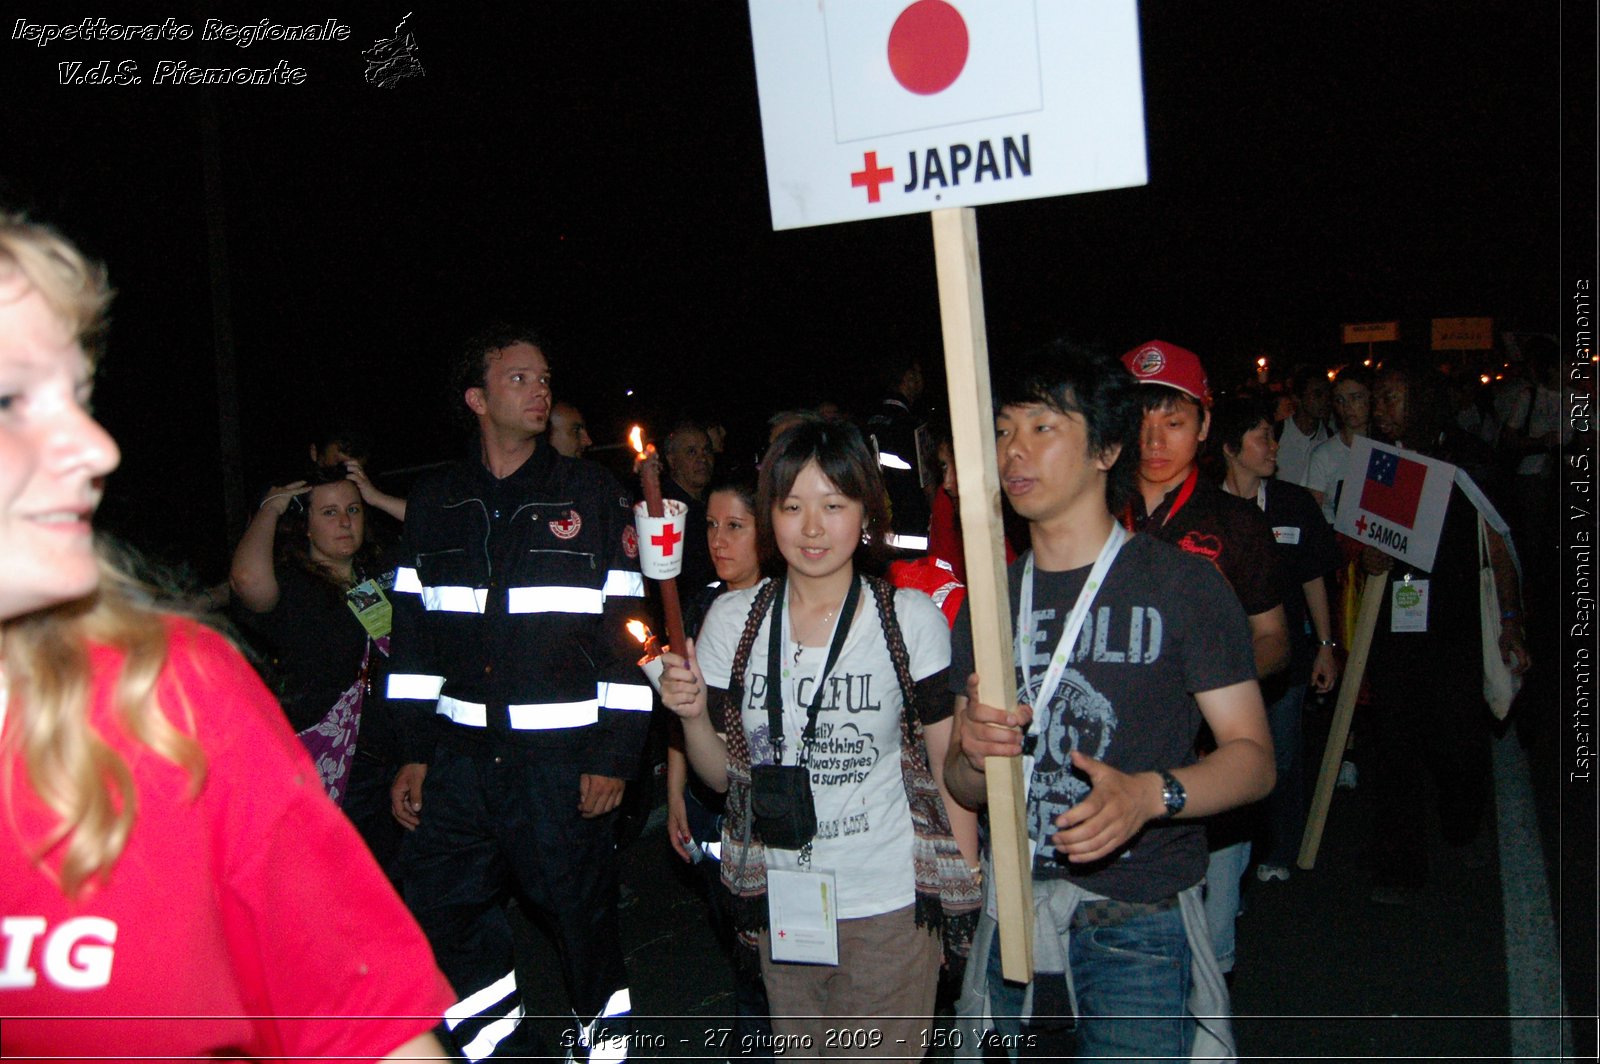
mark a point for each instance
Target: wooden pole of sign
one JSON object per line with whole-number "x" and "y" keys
{"x": 1333, "y": 754}
{"x": 966, "y": 365}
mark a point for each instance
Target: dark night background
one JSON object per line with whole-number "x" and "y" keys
{"x": 597, "y": 168}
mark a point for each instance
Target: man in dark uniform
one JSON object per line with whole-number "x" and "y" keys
{"x": 524, "y": 711}
{"x": 894, "y": 427}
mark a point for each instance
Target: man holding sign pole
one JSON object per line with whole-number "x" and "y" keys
{"x": 1426, "y": 683}
{"x": 1124, "y": 646}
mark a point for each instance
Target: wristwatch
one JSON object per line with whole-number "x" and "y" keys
{"x": 1172, "y": 794}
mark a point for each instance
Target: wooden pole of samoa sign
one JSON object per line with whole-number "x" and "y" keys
{"x": 1360, "y": 647}
{"x": 966, "y": 365}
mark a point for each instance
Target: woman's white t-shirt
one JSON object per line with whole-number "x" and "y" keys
{"x": 864, "y": 832}
{"x": 1326, "y": 473}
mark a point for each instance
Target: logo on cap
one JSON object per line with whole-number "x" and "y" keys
{"x": 1149, "y": 361}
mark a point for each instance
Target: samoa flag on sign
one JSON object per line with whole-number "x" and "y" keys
{"x": 1393, "y": 487}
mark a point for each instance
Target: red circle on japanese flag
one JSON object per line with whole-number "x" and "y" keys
{"x": 928, "y": 47}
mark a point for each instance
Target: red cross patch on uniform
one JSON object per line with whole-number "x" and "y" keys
{"x": 568, "y": 526}
{"x": 630, "y": 541}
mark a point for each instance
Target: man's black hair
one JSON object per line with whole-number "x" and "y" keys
{"x": 1236, "y": 415}
{"x": 1430, "y": 417}
{"x": 472, "y": 363}
{"x": 1303, "y": 376}
{"x": 1165, "y": 397}
{"x": 353, "y": 439}
{"x": 1089, "y": 381}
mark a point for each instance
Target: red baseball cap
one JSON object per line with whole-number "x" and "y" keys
{"x": 1158, "y": 362}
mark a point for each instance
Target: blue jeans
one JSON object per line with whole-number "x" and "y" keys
{"x": 1224, "y": 869}
{"x": 1132, "y": 985}
{"x": 1286, "y": 805}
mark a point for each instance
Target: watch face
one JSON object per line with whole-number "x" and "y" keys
{"x": 1172, "y": 793}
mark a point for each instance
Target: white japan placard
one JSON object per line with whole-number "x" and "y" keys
{"x": 871, "y": 108}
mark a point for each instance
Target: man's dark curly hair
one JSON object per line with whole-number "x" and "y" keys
{"x": 472, "y": 364}
{"x": 1089, "y": 381}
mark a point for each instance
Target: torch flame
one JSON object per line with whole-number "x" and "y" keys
{"x": 638, "y": 630}
{"x": 636, "y": 439}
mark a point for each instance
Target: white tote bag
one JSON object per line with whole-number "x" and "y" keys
{"x": 1500, "y": 684}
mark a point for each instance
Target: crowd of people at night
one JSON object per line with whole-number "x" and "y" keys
{"x": 421, "y": 714}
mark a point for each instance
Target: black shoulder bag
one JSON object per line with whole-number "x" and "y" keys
{"x": 781, "y": 804}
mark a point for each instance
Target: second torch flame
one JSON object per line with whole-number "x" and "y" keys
{"x": 641, "y": 631}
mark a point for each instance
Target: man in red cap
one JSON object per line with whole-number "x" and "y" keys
{"x": 1178, "y": 505}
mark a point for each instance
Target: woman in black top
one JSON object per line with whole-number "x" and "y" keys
{"x": 311, "y": 583}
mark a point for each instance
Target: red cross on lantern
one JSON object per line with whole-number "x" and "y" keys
{"x": 871, "y": 175}
{"x": 666, "y": 539}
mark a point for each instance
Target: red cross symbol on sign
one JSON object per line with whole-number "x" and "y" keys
{"x": 871, "y": 176}
{"x": 783, "y": 934}
{"x": 666, "y": 539}
{"x": 1361, "y": 525}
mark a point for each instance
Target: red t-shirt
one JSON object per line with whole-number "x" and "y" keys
{"x": 248, "y": 920}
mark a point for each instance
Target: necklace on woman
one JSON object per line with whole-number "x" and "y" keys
{"x": 799, "y": 642}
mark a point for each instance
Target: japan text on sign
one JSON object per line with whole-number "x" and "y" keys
{"x": 872, "y": 108}
{"x": 1463, "y": 334}
{"x": 1372, "y": 332}
{"x": 1394, "y": 500}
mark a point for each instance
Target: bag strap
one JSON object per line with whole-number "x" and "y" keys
{"x": 741, "y": 656}
{"x": 883, "y": 592}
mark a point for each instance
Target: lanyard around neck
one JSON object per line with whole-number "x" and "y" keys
{"x": 775, "y": 686}
{"x": 1028, "y": 634}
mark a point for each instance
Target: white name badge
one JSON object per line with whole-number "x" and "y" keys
{"x": 1408, "y": 606}
{"x": 803, "y": 913}
{"x": 1286, "y": 534}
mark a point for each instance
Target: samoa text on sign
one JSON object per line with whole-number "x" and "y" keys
{"x": 872, "y": 108}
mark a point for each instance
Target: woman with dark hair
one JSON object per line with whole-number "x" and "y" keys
{"x": 308, "y": 579}
{"x": 176, "y": 885}
{"x": 1305, "y": 550}
{"x": 694, "y": 811}
{"x": 830, "y": 723}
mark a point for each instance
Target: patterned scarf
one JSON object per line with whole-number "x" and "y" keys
{"x": 949, "y": 896}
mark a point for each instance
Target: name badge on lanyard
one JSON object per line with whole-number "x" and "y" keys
{"x": 803, "y": 913}
{"x": 371, "y": 607}
{"x": 1028, "y": 636}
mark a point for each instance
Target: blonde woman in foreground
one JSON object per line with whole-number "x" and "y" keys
{"x": 173, "y": 881}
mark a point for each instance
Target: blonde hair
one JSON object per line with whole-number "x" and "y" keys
{"x": 35, "y": 258}
{"x": 68, "y": 765}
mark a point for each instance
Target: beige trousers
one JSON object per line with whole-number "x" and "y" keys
{"x": 876, "y": 1004}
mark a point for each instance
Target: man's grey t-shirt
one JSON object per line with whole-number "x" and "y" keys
{"x": 1164, "y": 626}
